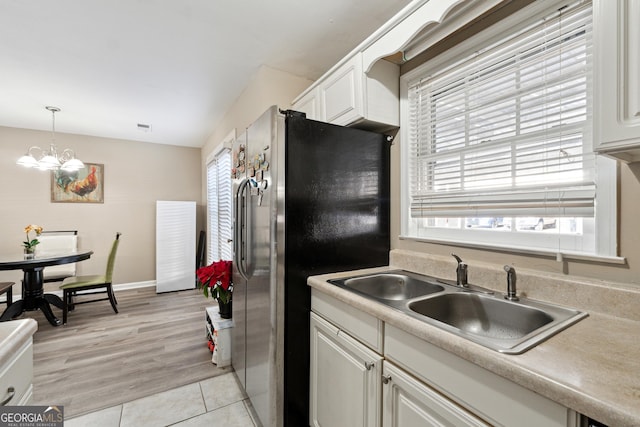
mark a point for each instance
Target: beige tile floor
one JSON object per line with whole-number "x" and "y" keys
{"x": 214, "y": 402}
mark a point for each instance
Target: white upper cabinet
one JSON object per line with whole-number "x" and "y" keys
{"x": 419, "y": 27}
{"x": 309, "y": 103}
{"x": 350, "y": 96}
{"x": 362, "y": 90}
{"x": 617, "y": 79}
{"x": 347, "y": 96}
{"x": 341, "y": 94}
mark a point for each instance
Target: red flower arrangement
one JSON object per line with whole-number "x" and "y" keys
{"x": 216, "y": 279}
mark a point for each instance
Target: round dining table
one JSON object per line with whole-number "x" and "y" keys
{"x": 33, "y": 296}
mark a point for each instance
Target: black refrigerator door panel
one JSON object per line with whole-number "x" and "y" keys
{"x": 337, "y": 219}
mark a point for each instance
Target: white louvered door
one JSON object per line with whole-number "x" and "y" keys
{"x": 175, "y": 245}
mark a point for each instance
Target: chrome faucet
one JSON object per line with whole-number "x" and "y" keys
{"x": 511, "y": 283}
{"x": 461, "y": 272}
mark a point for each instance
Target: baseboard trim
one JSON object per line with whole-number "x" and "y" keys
{"x": 119, "y": 287}
{"x": 134, "y": 285}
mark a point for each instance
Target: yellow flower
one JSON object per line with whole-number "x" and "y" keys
{"x": 32, "y": 227}
{"x": 28, "y": 244}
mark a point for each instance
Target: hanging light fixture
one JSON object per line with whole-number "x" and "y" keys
{"x": 51, "y": 160}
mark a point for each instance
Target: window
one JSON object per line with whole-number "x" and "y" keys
{"x": 219, "y": 203}
{"x": 499, "y": 135}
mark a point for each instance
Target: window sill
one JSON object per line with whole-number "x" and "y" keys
{"x": 559, "y": 256}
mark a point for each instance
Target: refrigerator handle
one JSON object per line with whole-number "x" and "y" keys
{"x": 239, "y": 227}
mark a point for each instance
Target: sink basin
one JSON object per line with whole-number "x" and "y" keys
{"x": 478, "y": 315}
{"x": 392, "y": 286}
{"x": 505, "y": 326}
{"x": 473, "y": 313}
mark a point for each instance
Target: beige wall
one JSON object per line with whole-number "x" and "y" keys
{"x": 268, "y": 87}
{"x": 136, "y": 175}
{"x": 629, "y": 243}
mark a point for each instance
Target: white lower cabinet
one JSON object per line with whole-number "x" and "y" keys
{"x": 380, "y": 375}
{"x": 345, "y": 379}
{"x": 482, "y": 393}
{"x": 16, "y": 377}
{"x": 407, "y": 402}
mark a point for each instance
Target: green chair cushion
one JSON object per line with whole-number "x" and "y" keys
{"x": 80, "y": 281}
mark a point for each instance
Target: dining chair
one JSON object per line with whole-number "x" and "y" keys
{"x": 72, "y": 285}
{"x": 202, "y": 246}
{"x": 55, "y": 242}
{"x": 7, "y": 287}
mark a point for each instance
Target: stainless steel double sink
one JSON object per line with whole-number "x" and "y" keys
{"x": 477, "y": 314}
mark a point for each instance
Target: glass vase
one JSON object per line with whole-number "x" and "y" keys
{"x": 29, "y": 253}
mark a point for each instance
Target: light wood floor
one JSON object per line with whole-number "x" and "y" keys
{"x": 100, "y": 359}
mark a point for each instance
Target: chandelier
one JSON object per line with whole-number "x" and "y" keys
{"x": 38, "y": 158}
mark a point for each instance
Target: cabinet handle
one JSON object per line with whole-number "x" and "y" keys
{"x": 369, "y": 365}
{"x": 386, "y": 379}
{"x": 12, "y": 392}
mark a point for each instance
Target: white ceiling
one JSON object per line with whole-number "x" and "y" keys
{"x": 177, "y": 65}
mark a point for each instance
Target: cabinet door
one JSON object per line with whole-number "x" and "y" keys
{"x": 17, "y": 374}
{"x": 309, "y": 104}
{"x": 341, "y": 94}
{"x": 345, "y": 388}
{"x": 617, "y": 92}
{"x": 407, "y": 402}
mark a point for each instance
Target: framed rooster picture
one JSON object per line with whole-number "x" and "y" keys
{"x": 83, "y": 186}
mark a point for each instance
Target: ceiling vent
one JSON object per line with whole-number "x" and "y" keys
{"x": 144, "y": 128}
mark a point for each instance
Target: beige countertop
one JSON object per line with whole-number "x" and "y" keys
{"x": 13, "y": 334}
{"x": 593, "y": 367}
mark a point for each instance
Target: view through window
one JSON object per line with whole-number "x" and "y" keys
{"x": 500, "y": 138}
{"x": 219, "y": 205}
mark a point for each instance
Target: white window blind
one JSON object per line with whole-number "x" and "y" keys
{"x": 507, "y": 131}
{"x": 219, "y": 202}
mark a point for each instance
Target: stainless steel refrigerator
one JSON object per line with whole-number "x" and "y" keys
{"x": 309, "y": 198}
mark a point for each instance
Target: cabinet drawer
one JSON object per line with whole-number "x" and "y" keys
{"x": 17, "y": 373}
{"x": 408, "y": 403}
{"x": 362, "y": 326}
{"x": 484, "y": 393}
